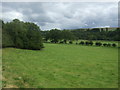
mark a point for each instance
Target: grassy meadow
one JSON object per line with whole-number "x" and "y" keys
{"x": 61, "y": 66}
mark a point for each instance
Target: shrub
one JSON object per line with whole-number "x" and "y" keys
{"x": 61, "y": 42}
{"x": 90, "y": 43}
{"x": 65, "y": 41}
{"x": 70, "y": 42}
{"x": 104, "y": 44}
{"x": 76, "y": 43}
{"x": 52, "y": 41}
{"x": 87, "y": 43}
{"x": 114, "y": 45}
{"x": 108, "y": 44}
{"x": 98, "y": 44}
{"x": 82, "y": 43}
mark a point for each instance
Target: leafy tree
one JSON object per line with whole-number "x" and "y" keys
{"x": 98, "y": 44}
{"x": 104, "y": 44}
{"x": 114, "y": 45}
{"x": 67, "y": 35}
{"x": 55, "y": 35}
{"x": 88, "y": 34}
{"x": 108, "y": 44}
{"x": 70, "y": 42}
{"x": 82, "y": 43}
{"x": 90, "y": 43}
{"x": 20, "y": 34}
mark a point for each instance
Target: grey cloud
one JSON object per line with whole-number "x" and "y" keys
{"x": 63, "y": 15}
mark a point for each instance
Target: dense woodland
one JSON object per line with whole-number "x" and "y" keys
{"x": 82, "y": 34}
{"x": 27, "y": 35}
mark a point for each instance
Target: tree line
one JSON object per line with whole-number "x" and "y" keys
{"x": 27, "y": 35}
{"x": 91, "y": 43}
{"x": 97, "y": 34}
{"x": 63, "y": 36}
{"x": 19, "y": 34}
{"x": 56, "y": 35}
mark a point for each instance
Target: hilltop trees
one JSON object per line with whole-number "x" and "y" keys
{"x": 97, "y": 34}
{"x": 67, "y": 35}
{"x": 20, "y": 34}
{"x": 56, "y": 35}
{"x": 85, "y": 34}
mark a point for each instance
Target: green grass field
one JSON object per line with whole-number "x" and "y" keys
{"x": 61, "y": 66}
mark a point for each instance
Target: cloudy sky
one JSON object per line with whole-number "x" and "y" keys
{"x": 63, "y": 15}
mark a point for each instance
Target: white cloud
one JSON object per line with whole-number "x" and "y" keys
{"x": 101, "y": 27}
{"x": 12, "y": 15}
{"x": 64, "y": 15}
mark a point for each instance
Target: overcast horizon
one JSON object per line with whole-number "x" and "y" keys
{"x": 65, "y": 15}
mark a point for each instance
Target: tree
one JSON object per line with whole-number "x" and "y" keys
{"x": 98, "y": 44}
{"x": 90, "y": 43}
{"x": 55, "y": 35}
{"x": 35, "y": 40}
{"x": 6, "y": 37}
{"x": 114, "y": 45}
{"x": 70, "y": 42}
{"x": 108, "y": 44}
{"x": 87, "y": 42}
{"x": 88, "y": 34}
{"x": 22, "y": 35}
{"x": 67, "y": 35}
{"x": 82, "y": 43}
{"x": 104, "y": 44}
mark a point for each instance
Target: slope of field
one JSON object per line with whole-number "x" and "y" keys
{"x": 61, "y": 66}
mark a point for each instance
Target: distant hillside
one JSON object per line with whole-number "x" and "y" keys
{"x": 111, "y": 33}
{"x": 100, "y": 29}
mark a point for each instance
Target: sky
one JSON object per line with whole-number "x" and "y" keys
{"x": 62, "y": 15}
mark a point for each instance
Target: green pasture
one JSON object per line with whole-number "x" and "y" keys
{"x": 61, "y": 66}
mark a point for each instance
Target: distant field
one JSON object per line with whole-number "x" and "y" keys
{"x": 61, "y": 66}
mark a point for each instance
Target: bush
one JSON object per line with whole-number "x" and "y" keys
{"x": 90, "y": 43}
{"x": 65, "y": 41}
{"x": 108, "y": 44}
{"x": 87, "y": 43}
{"x": 104, "y": 44}
{"x": 70, "y": 42}
{"x": 61, "y": 42}
{"x": 76, "y": 43}
{"x": 52, "y": 41}
{"x": 82, "y": 43}
{"x": 98, "y": 44}
{"x": 114, "y": 45}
